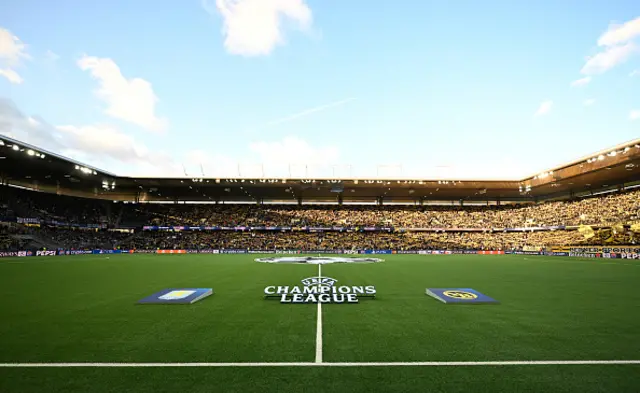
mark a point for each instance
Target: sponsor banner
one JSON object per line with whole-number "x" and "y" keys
{"x": 27, "y": 220}
{"x": 531, "y": 229}
{"x": 589, "y": 252}
{"x": 557, "y": 253}
{"x": 445, "y": 229}
{"x": 621, "y": 249}
{"x": 209, "y": 251}
{"x": 597, "y": 249}
{"x": 111, "y": 252}
{"x": 592, "y": 250}
{"x": 56, "y": 223}
{"x": 585, "y": 255}
{"x": 376, "y": 252}
{"x": 233, "y": 251}
{"x": 4, "y": 254}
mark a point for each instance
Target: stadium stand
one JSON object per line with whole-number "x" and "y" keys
{"x": 78, "y": 223}
{"x": 55, "y": 203}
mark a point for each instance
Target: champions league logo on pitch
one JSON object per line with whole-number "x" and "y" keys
{"x": 318, "y": 260}
{"x": 320, "y": 289}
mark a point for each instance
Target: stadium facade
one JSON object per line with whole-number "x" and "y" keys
{"x": 32, "y": 167}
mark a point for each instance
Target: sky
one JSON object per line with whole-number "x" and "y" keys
{"x": 321, "y": 88}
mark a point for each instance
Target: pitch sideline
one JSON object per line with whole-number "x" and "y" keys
{"x": 328, "y": 364}
{"x": 319, "y": 326}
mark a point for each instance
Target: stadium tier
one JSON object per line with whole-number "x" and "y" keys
{"x": 91, "y": 209}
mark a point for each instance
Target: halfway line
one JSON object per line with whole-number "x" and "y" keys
{"x": 344, "y": 364}
{"x": 319, "y": 324}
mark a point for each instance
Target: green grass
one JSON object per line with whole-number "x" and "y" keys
{"x": 82, "y": 309}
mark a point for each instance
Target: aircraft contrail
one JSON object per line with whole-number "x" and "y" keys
{"x": 309, "y": 111}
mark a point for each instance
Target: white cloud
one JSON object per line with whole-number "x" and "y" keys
{"x": 618, "y": 34}
{"x": 104, "y": 141}
{"x": 581, "y": 81}
{"x": 634, "y": 114}
{"x": 102, "y": 146}
{"x": 309, "y": 111}
{"x": 131, "y": 100}
{"x": 11, "y": 75}
{"x": 608, "y": 59}
{"x": 106, "y": 147}
{"x": 589, "y": 102}
{"x": 255, "y": 27}
{"x": 12, "y": 52}
{"x": 634, "y": 73}
{"x": 618, "y": 44}
{"x": 544, "y": 108}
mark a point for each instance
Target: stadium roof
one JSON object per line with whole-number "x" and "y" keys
{"x": 32, "y": 167}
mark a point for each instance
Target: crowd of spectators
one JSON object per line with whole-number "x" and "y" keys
{"x": 52, "y": 207}
{"x": 363, "y": 240}
{"x": 11, "y": 238}
{"x": 609, "y": 210}
{"x": 84, "y": 238}
{"x": 263, "y": 240}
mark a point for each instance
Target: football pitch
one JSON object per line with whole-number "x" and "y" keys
{"x": 71, "y": 324}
